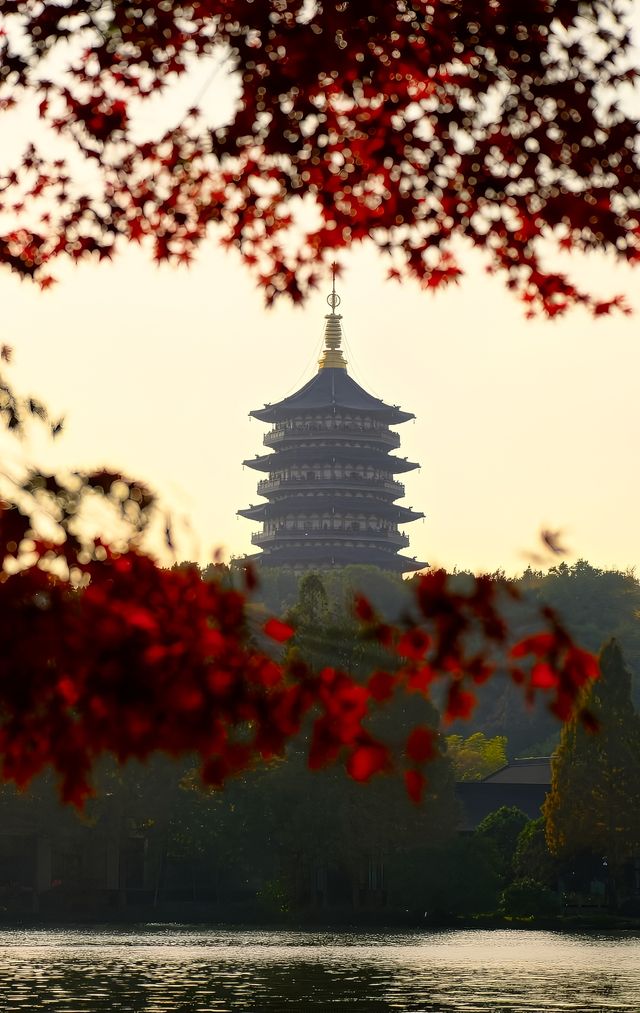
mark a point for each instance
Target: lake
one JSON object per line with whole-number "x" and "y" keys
{"x": 194, "y": 969}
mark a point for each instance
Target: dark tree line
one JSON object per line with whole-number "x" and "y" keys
{"x": 279, "y": 839}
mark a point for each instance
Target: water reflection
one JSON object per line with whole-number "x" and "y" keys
{"x": 170, "y": 969}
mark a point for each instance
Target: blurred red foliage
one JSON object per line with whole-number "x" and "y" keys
{"x": 106, "y": 652}
{"x": 412, "y": 125}
{"x": 409, "y": 125}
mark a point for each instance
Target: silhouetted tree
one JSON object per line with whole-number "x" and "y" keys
{"x": 594, "y": 803}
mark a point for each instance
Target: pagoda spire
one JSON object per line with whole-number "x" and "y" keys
{"x": 332, "y": 357}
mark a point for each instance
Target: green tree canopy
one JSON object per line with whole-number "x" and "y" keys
{"x": 477, "y": 756}
{"x": 502, "y": 830}
{"x": 532, "y": 859}
{"x": 594, "y": 803}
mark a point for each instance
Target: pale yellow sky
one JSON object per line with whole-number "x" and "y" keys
{"x": 520, "y": 424}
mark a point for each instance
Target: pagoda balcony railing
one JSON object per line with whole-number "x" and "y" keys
{"x": 268, "y": 485}
{"x": 280, "y": 435}
{"x": 396, "y": 538}
{"x": 332, "y": 423}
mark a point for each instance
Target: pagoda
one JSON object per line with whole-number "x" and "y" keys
{"x": 330, "y": 484}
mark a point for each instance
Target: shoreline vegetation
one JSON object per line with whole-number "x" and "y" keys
{"x": 582, "y": 922}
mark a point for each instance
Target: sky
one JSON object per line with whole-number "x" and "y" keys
{"x": 520, "y": 425}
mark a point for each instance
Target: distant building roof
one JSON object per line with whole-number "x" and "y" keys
{"x": 529, "y": 770}
{"x": 522, "y": 783}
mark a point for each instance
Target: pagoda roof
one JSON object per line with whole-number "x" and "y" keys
{"x": 318, "y": 503}
{"x": 336, "y": 556}
{"x": 331, "y": 388}
{"x": 321, "y": 453}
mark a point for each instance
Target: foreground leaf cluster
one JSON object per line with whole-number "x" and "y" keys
{"x": 411, "y": 125}
{"x": 132, "y": 658}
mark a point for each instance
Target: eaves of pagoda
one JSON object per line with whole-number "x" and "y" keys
{"x": 322, "y": 555}
{"x": 332, "y": 389}
{"x": 319, "y": 504}
{"x": 282, "y": 458}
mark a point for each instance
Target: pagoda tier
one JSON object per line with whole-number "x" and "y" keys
{"x": 316, "y": 451}
{"x": 330, "y": 488}
{"x": 315, "y": 503}
{"x": 300, "y": 557}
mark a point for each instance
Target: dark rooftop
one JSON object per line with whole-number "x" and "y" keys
{"x": 522, "y": 783}
{"x": 528, "y": 770}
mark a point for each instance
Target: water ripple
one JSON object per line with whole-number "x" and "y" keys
{"x": 182, "y": 969}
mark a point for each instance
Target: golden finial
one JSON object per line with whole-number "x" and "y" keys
{"x": 334, "y": 299}
{"x": 332, "y": 357}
